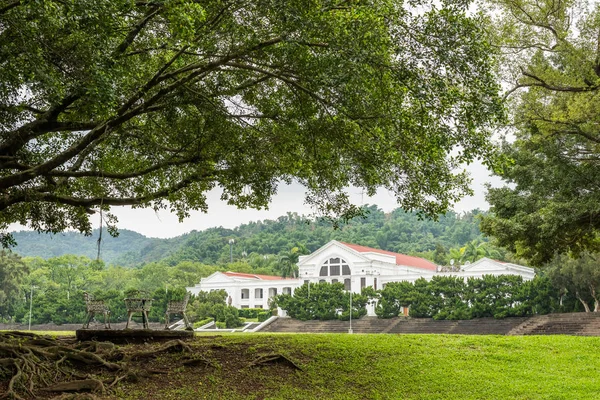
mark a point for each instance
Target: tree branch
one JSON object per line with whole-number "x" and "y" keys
{"x": 544, "y": 84}
{"x": 10, "y": 6}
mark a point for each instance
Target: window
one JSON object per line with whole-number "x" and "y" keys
{"x": 334, "y": 281}
{"x": 258, "y": 306}
{"x": 306, "y": 282}
{"x": 322, "y": 280}
{"x": 334, "y": 266}
{"x": 246, "y": 306}
{"x": 258, "y": 293}
{"x": 375, "y": 283}
{"x": 245, "y": 294}
{"x": 347, "y": 285}
{"x": 363, "y": 283}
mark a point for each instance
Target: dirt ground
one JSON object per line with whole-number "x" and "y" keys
{"x": 63, "y": 368}
{"x": 74, "y": 327}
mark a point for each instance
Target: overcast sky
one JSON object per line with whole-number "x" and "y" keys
{"x": 289, "y": 198}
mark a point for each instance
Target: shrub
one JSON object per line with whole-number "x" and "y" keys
{"x": 221, "y": 325}
{"x": 202, "y": 322}
{"x": 263, "y": 316}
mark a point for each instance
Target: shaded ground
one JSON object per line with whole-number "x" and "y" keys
{"x": 74, "y": 327}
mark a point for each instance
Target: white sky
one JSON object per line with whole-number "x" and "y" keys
{"x": 290, "y": 198}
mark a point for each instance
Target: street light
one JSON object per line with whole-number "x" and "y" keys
{"x": 350, "y": 330}
{"x": 31, "y": 304}
{"x": 231, "y": 242}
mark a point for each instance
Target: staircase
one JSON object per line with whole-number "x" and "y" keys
{"x": 581, "y": 324}
{"x": 578, "y": 324}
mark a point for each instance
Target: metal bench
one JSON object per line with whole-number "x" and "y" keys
{"x": 178, "y": 307}
{"x": 141, "y": 303}
{"x": 95, "y": 307}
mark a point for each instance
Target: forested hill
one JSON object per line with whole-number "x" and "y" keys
{"x": 397, "y": 231}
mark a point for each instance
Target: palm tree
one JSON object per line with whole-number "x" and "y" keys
{"x": 288, "y": 263}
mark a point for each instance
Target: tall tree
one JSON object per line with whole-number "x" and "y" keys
{"x": 117, "y": 102}
{"x": 12, "y": 273}
{"x": 579, "y": 277}
{"x": 553, "y": 200}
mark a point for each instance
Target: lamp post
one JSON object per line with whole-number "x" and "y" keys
{"x": 231, "y": 242}
{"x": 350, "y": 330}
{"x": 31, "y": 304}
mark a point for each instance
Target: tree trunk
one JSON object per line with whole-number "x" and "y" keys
{"x": 585, "y": 304}
{"x": 596, "y": 302}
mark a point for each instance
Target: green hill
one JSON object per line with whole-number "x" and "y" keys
{"x": 398, "y": 231}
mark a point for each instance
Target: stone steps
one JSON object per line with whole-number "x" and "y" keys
{"x": 581, "y": 324}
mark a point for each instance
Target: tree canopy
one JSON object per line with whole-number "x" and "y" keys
{"x": 552, "y": 204}
{"x": 152, "y": 104}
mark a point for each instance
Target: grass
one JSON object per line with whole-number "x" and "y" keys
{"x": 339, "y": 366}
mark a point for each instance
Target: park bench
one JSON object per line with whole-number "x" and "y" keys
{"x": 178, "y": 307}
{"x": 140, "y": 303}
{"x": 93, "y": 307}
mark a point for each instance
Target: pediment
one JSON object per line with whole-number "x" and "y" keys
{"x": 332, "y": 249}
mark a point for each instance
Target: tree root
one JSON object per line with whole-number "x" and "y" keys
{"x": 88, "y": 385}
{"x": 33, "y": 363}
{"x": 199, "y": 361}
{"x": 271, "y": 359}
{"x": 172, "y": 346}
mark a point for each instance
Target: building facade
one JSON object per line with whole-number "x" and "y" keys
{"x": 353, "y": 265}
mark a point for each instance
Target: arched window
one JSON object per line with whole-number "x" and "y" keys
{"x": 335, "y": 267}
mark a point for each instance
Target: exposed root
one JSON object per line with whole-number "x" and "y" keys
{"x": 172, "y": 346}
{"x": 32, "y": 363}
{"x": 199, "y": 361}
{"x": 270, "y": 359}
{"x": 87, "y": 385}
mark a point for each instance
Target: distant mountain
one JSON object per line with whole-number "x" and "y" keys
{"x": 398, "y": 231}
{"x": 33, "y": 244}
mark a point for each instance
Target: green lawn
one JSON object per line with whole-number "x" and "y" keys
{"x": 341, "y": 366}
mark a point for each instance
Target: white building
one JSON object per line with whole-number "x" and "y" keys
{"x": 353, "y": 265}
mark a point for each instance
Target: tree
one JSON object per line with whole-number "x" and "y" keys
{"x": 12, "y": 273}
{"x": 580, "y": 277}
{"x": 152, "y": 104}
{"x": 552, "y": 202}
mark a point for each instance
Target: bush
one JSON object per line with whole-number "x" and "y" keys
{"x": 221, "y": 325}
{"x": 263, "y": 316}
{"x": 324, "y": 302}
{"x": 250, "y": 312}
{"x": 202, "y": 322}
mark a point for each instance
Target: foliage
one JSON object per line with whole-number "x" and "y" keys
{"x": 250, "y": 312}
{"x": 213, "y": 305}
{"x": 448, "y": 297}
{"x": 152, "y": 104}
{"x": 12, "y": 273}
{"x": 578, "y": 277}
{"x": 552, "y": 201}
{"x": 322, "y": 301}
{"x": 392, "y": 297}
{"x": 263, "y": 316}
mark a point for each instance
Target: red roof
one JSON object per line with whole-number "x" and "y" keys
{"x": 401, "y": 259}
{"x": 253, "y": 276}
